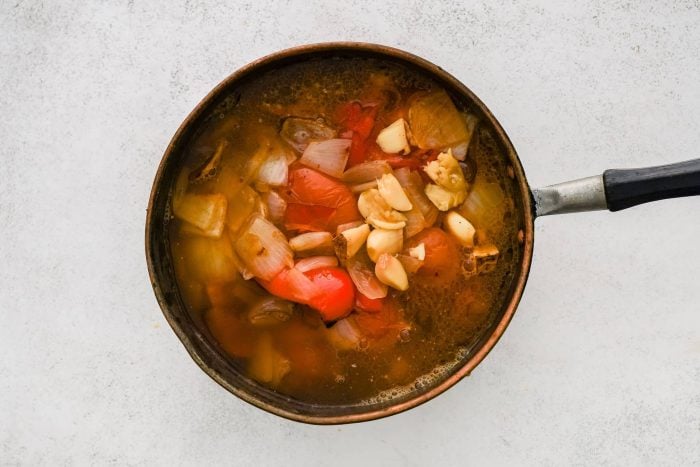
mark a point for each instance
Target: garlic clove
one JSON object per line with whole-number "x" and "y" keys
{"x": 370, "y": 202}
{"x": 393, "y": 140}
{"x": 354, "y": 239}
{"x": 315, "y": 243}
{"x": 377, "y": 211}
{"x": 390, "y": 189}
{"x": 417, "y": 252}
{"x": 390, "y": 272}
{"x": 460, "y": 228}
{"x": 444, "y": 199}
{"x": 380, "y": 241}
{"x": 379, "y": 223}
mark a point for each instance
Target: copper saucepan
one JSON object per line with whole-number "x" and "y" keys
{"x": 613, "y": 190}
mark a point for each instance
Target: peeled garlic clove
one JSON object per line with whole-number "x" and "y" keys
{"x": 379, "y": 223}
{"x": 446, "y": 172}
{"x": 371, "y": 202}
{"x": 485, "y": 257}
{"x": 390, "y": 272}
{"x": 390, "y": 189}
{"x": 460, "y": 228}
{"x": 417, "y": 252}
{"x": 393, "y": 140}
{"x": 382, "y": 241}
{"x": 354, "y": 239}
{"x": 444, "y": 199}
{"x": 313, "y": 242}
{"x": 377, "y": 211}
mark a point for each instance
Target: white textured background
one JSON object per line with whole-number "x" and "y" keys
{"x": 601, "y": 364}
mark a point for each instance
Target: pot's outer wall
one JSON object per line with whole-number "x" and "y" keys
{"x": 204, "y": 353}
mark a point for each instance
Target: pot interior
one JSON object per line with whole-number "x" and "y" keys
{"x": 494, "y": 147}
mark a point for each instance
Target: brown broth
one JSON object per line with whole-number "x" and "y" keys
{"x": 443, "y": 322}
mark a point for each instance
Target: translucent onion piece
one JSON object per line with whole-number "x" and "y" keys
{"x": 298, "y": 131}
{"x": 276, "y": 207}
{"x": 256, "y": 161}
{"x": 409, "y": 263}
{"x": 367, "y": 171}
{"x": 328, "y": 156}
{"x": 344, "y": 335}
{"x": 263, "y": 248}
{"x": 362, "y": 274}
{"x": 274, "y": 170}
{"x": 435, "y": 121}
{"x": 205, "y": 259}
{"x": 315, "y": 262}
{"x": 363, "y": 186}
{"x": 190, "y": 286}
{"x": 460, "y": 151}
{"x": 240, "y": 208}
{"x": 267, "y": 365}
{"x": 205, "y": 212}
{"x": 415, "y": 222}
{"x": 485, "y": 205}
{"x": 228, "y": 182}
{"x": 413, "y": 184}
{"x": 242, "y": 269}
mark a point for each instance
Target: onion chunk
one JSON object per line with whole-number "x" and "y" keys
{"x": 315, "y": 262}
{"x": 436, "y": 123}
{"x": 274, "y": 171}
{"x": 263, "y": 248}
{"x": 363, "y": 277}
{"x": 205, "y": 212}
{"x": 328, "y": 156}
{"x": 366, "y": 172}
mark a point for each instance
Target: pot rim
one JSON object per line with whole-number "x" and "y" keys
{"x": 517, "y": 290}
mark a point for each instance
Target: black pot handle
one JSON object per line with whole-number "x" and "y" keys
{"x": 630, "y": 187}
{"x": 619, "y": 189}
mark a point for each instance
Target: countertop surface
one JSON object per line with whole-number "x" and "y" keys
{"x": 601, "y": 364}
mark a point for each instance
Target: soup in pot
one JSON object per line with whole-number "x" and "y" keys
{"x": 344, "y": 230}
